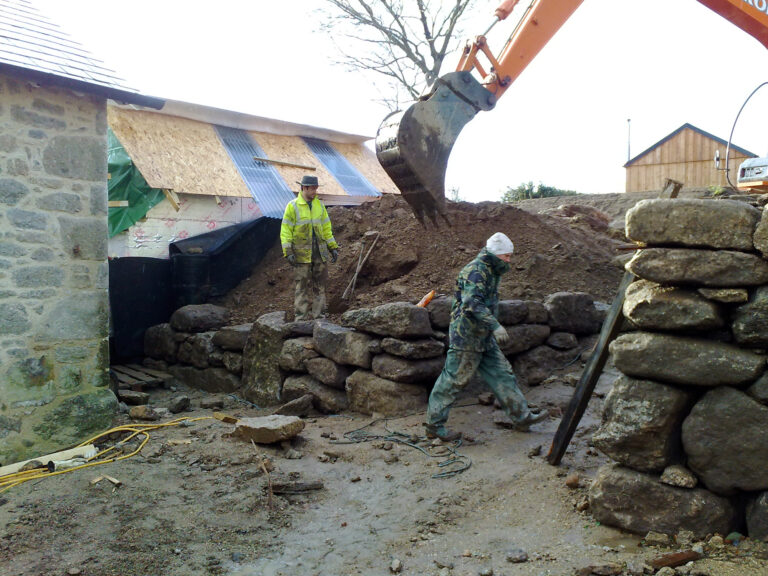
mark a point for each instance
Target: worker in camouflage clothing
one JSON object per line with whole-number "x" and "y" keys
{"x": 307, "y": 240}
{"x": 474, "y": 339}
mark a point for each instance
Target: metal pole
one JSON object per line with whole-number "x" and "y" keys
{"x": 629, "y": 132}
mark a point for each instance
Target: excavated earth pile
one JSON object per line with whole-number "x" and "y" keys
{"x": 568, "y": 251}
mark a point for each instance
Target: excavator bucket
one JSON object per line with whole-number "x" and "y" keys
{"x": 413, "y": 146}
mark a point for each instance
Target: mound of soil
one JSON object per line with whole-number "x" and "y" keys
{"x": 553, "y": 253}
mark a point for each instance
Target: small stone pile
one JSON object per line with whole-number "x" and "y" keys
{"x": 383, "y": 359}
{"x": 687, "y": 422}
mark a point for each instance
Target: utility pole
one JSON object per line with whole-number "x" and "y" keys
{"x": 629, "y": 132}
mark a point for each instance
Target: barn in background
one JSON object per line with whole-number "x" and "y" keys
{"x": 686, "y": 155}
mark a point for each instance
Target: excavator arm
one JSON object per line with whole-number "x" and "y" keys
{"x": 413, "y": 146}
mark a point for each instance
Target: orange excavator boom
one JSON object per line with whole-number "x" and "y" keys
{"x": 413, "y": 146}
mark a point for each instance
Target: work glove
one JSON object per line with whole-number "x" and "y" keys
{"x": 334, "y": 255}
{"x": 291, "y": 259}
{"x": 502, "y": 336}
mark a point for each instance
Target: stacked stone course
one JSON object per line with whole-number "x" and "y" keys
{"x": 383, "y": 359}
{"x": 687, "y": 423}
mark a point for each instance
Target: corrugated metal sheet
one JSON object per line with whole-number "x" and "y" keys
{"x": 29, "y": 40}
{"x": 354, "y": 183}
{"x": 268, "y": 189}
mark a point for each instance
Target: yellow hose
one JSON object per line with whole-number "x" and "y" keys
{"x": 16, "y": 478}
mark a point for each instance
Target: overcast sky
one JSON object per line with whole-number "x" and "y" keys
{"x": 660, "y": 63}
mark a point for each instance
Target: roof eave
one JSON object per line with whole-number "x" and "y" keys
{"x": 251, "y": 123}
{"x": 121, "y": 96}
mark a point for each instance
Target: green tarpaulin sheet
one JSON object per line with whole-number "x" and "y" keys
{"x": 127, "y": 183}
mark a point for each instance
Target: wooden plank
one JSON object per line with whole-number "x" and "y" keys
{"x": 289, "y": 487}
{"x": 137, "y": 381}
{"x": 589, "y": 377}
{"x": 671, "y": 188}
{"x": 282, "y": 163}
{"x": 172, "y": 197}
{"x": 134, "y": 373}
{"x": 151, "y": 371}
{"x": 124, "y": 379}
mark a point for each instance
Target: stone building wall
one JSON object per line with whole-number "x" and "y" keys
{"x": 53, "y": 268}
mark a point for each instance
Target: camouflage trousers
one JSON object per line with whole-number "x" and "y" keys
{"x": 309, "y": 299}
{"x": 460, "y": 366}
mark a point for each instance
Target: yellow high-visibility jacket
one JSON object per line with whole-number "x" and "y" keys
{"x": 300, "y": 223}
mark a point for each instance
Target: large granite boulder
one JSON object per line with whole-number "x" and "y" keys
{"x": 750, "y": 321}
{"x": 760, "y": 238}
{"x": 686, "y": 266}
{"x": 726, "y": 439}
{"x": 368, "y": 394}
{"x": 641, "y": 424}
{"x": 536, "y": 365}
{"x": 295, "y": 353}
{"x": 343, "y": 345}
{"x": 512, "y": 312}
{"x": 326, "y": 399}
{"x": 162, "y": 342}
{"x": 638, "y": 502}
{"x": 440, "y": 312}
{"x": 268, "y": 429}
{"x": 721, "y": 224}
{"x": 562, "y": 341}
{"x": 413, "y": 349}
{"x": 759, "y": 390}
{"x": 233, "y": 337}
{"x": 328, "y": 372}
{"x": 725, "y": 295}
{"x": 650, "y": 306}
{"x": 199, "y": 318}
{"x": 396, "y": 319}
{"x": 684, "y": 360}
{"x": 404, "y": 370}
{"x": 262, "y": 376}
{"x": 572, "y": 312}
{"x": 523, "y": 337}
{"x": 197, "y": 349}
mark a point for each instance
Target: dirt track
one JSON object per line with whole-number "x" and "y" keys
{"x": 197, "y": 502}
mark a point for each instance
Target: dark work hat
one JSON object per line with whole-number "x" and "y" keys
{"x": 309, "y": 181}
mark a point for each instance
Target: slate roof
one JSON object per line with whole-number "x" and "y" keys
{"x": 31, "y": 43}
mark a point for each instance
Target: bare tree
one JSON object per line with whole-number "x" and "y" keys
{"x": 406, "y": 41}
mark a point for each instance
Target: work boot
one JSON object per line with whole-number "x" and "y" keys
{"x": 442, "y": 433}
{"x": 530, "y": 419}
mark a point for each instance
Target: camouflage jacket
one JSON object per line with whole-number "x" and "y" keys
{"x": 476, "y": 303}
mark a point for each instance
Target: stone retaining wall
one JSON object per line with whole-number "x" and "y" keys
{"x": 383, "y": 359}
{"x": 687, "y": 423}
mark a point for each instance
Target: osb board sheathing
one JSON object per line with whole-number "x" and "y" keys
{"x": 368, "y": 165}
{"x": 293, "y": 150}
{"x": 171, "y": 152}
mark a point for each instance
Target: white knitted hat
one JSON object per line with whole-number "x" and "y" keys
{"x": 500, "y": 244}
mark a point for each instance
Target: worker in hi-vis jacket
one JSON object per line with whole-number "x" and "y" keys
{"x": 307, "y": 240}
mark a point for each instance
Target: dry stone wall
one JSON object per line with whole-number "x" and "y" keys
{"x": 380, "y": 360}
{"x": 687, "y": 423}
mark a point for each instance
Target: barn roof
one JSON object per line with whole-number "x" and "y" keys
{"x": 695, "y": 129}
{"x": 32, "y": 44}
{"x": 199, "y": 150}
